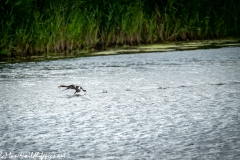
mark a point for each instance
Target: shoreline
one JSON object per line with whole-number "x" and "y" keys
{"x": 127, "y": 49}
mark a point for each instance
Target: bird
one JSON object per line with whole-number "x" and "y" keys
{"x": 77, "y": 88}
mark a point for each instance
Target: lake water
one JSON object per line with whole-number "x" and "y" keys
{"x": 168, "y": 105}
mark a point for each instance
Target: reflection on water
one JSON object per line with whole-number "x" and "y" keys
{"x": 175, "y": 105}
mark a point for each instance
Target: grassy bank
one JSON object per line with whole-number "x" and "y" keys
{"x": 31, "y": 27}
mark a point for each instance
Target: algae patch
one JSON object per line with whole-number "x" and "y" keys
{"x": 126, "y": 49}
{"x": 170, "y": 46}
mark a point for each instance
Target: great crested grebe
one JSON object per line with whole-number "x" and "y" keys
{"x": 77, "y": 88}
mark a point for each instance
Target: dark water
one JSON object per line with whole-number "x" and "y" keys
{"x": 172, "y": 105}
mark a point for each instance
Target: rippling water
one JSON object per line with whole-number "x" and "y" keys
{"x": 171, "y": 105}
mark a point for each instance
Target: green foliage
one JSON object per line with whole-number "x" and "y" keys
{"x": 30, "y": 27}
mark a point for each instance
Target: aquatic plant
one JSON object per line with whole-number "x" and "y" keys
{"x": 32, "y": 27}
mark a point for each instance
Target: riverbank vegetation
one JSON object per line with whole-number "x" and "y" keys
{"x": 32, "y": 27}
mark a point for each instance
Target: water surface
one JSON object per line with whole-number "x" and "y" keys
{"x": 170, "y": 105}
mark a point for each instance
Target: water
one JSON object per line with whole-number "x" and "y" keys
{"x": 171, "y": 105}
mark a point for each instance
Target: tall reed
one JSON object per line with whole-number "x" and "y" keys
{"x": 32, "y": 27}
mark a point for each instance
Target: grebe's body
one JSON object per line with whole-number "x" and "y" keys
{"x": 77, "y": 88}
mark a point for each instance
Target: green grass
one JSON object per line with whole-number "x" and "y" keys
{"x": 29, "y": 27}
